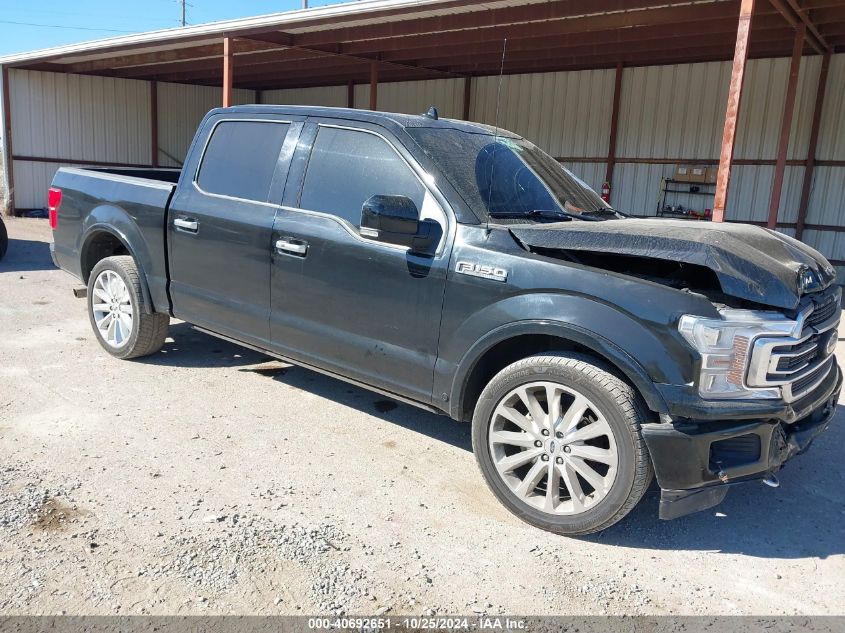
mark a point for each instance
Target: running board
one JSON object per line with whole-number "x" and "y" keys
{"x": 320, "y": 370}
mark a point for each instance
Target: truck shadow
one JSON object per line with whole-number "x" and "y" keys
{"x": 191, "y": 348}
{"x": 26, "y": 256}
{"x": 801, "y": 519}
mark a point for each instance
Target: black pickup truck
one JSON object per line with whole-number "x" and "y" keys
{"x": 461, "y": 269}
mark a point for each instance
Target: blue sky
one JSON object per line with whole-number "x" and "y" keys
{"x": 32, "y": 24}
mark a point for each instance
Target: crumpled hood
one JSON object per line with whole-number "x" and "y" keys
{"x": 750, "y": 262}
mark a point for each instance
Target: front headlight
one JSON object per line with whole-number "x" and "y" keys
{"x": 725, "y": 348}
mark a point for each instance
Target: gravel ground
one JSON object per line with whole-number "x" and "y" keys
{"x": 211, "y": 479}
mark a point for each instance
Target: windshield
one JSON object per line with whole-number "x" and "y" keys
{"x": 507, "y": 177}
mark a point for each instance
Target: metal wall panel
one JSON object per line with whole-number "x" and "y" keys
{"x": 760, "y": 119}
{"x": 32, "y": 180}
{"x": 591, "y": 173}
{"x": 832, "y": 138}
{"x": 180, "y": 110}
{"x": 415, "y": 97}
{"x": 750, "y": 193}
{"x": 566, "y": 114}
{"x": 635, "y": 187}
{"x": 78, "y": 117}
{"x": 679, "y": 111}
{"x": 331, "y": 96}
{"x": 827, "y": 197}
{"x": 672, "y": 111}
{"x": 829, "y": 243}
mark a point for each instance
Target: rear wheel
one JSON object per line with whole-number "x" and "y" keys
{"x": 117, "y": 310}
{"x": 558, "y": 440}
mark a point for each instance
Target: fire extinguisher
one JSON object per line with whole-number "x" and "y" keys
{"x": 605, "y": 192}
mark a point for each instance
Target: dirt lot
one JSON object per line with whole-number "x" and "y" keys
{"x": 211, "y": 479}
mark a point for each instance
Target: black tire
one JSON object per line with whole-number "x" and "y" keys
{"x": 4, "y": 239}
{"x": 620, "y": 405}
{"x": 148, "y": 331}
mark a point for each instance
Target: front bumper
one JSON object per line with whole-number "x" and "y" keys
{"x": 695, "y": 461}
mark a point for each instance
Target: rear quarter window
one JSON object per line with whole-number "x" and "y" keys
{"x": 240, "y": 159}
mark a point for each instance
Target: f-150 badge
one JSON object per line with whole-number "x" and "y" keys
{"x": 482, "y": 270}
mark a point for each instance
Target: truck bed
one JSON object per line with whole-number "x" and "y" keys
{"x": 129, "y": 202}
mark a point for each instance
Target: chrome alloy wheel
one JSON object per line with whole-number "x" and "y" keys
{"x": 553, "y": 448}
{"x": 112, "y": 308}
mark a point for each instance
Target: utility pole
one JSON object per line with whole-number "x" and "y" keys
{"x": 183, "y": 11}
{"x": 304, "y": 4}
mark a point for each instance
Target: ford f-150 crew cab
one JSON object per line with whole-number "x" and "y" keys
{"x": 459, "y": 268}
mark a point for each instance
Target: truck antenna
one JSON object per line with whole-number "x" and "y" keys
{"x": 496, "y": 134}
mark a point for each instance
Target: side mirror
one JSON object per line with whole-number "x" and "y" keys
{"x": 390, "y": 219}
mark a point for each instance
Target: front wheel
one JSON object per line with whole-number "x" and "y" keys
{"x": 557, "y": 438}
{"x": 117, "y": 311}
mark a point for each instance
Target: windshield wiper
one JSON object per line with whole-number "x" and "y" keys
{"x": 605, "y": 212}
{"x": 543, "y": 214}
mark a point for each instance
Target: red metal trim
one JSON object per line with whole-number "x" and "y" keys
{"x": 796, "y": 17}
{"x": 228, "y": 63}
{"x": 786, "y": 125}
{"x": 614, "y": 126}
{"x": 732, "y": 113}
{"x": 805, "y": 18}
{"x": 286, "y": 40}
{"x": 811, "y": 149}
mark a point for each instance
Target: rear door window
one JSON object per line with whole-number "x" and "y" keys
{"x": 240, "y": 159}
{"x": 348, "y": 166}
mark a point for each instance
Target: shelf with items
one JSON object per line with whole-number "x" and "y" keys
{"x": 671, "y": 188}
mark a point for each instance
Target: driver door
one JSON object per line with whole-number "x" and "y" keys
{"x": 342, "y": 301}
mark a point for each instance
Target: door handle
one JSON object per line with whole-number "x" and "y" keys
{"x": 187, "y": 225}
{"x": 291, "y": 246}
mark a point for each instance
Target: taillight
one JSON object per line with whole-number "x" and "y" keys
{"x": 54, "y": 200}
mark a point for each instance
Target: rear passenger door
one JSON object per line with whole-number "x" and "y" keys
{"x": 220, "y": 223}
{"x": 361, "y": 308}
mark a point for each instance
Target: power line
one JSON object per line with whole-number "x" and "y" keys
{"x": 64, "y": 26}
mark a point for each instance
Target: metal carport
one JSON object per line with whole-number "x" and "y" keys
{"x": 622, "y": 91}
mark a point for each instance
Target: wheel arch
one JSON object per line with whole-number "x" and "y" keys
{"x": 103, "y": 240}
{"x": 515, "y": 341}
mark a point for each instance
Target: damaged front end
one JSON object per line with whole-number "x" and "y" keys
{"x": 738, "y": 260}
{"x": 696, "y": 462}
{"x": 766, "y": 379}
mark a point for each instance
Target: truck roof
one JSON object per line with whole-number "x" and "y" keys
{"x": 387, "y": 119}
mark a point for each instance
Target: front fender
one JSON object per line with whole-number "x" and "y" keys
{"x": 641, "y": 351}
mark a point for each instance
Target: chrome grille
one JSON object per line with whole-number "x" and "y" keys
{"x": 823, "y": 310}
{"x": 791, "y": 359}
{"x": 805, "y": 384}
{"x": 799, "y": 364}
